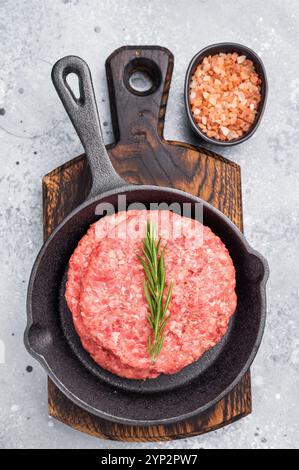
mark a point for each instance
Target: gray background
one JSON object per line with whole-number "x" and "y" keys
{"x": 36, "y": 136}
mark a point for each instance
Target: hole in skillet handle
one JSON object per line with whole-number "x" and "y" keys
{"x": 227, "y": 47}
{"x": 73, "y": 84}
{"x": 142, "y": 76}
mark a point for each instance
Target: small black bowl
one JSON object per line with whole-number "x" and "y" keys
{"x": 227, "y": 47}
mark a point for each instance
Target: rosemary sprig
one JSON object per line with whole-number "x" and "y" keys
{"x": 154, "y": 288}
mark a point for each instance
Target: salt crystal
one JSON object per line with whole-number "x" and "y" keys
{"x": 241, "y": 59}
{"x": 233, "y": 135}
{"x": 241, "y": 96}
{"x": 204, "y": 120}
{"x": 224, "y": 130}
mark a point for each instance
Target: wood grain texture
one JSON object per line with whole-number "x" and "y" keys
{"x": 141, "y": 155}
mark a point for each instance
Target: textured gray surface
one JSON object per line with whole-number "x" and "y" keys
{"x": 36, "y": 137}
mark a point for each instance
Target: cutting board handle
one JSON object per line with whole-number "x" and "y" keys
{"x": 138, "y": 115}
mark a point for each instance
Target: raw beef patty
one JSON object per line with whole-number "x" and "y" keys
{"x": 104, "y": 292}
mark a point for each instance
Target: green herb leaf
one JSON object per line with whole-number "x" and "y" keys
{"x": 154, "y": 285}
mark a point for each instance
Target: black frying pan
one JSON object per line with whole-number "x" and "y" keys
{"x": 50, "y": 336}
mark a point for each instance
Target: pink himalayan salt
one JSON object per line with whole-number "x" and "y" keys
{"x": 225, "y": 93}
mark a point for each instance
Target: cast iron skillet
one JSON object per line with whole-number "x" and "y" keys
{"x": 50, "y": 336}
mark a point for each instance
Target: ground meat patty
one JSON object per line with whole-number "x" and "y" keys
{"x": 77, "y": 267}
{"x": 105, "y": 293}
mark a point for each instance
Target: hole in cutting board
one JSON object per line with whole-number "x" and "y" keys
{"x": 142, "y": 76}
{"x": 140, "y": 81}
{"x": 72, "y": 80}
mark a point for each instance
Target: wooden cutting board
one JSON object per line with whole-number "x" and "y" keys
{"x": 141, "y": 155}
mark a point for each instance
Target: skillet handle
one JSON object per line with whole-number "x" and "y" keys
{"x": 84, "y": 115}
